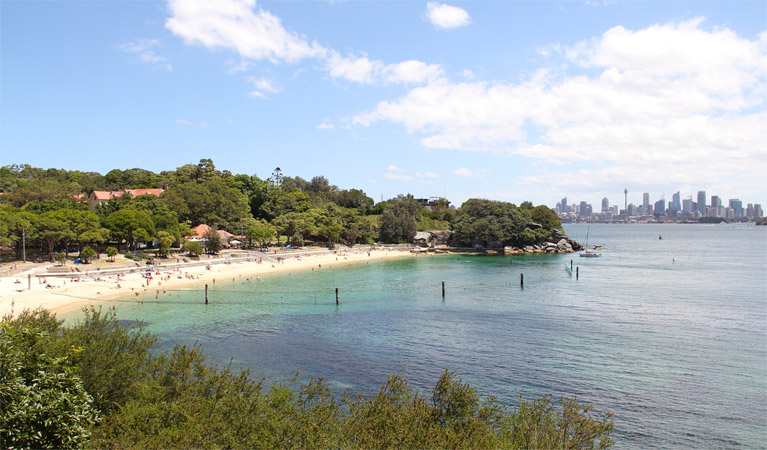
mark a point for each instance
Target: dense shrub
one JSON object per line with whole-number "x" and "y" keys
{"x": 175, "y": 400}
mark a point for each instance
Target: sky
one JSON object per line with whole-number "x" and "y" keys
{"x": 505, "y": 100}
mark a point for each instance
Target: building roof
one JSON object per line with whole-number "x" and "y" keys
{"x": 224, "y": 233}
{"x": 103, "y": 196}
{"x": 137, "y": 192}
{"x": 200, "y": 230}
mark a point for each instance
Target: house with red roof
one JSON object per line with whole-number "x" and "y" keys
{"x": 100, "y": 197}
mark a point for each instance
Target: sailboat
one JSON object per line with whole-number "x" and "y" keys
{"x": 588, "y": 253}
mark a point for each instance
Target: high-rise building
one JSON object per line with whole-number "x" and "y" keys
{"x": 758, "y": 213}
{"x": 716, "y": 206}
{"x": 750, "y": 211}
{"x": 737, "y": 207}
{"x": 702, "y": 202}
{"x": 676, "y": 204}
{"x": 605, "y": 205}
{"x": 646, "y": 206}
{"x": 564, "y": 205}
{"x": 660, "y": 208}
{"x": 687, "y": 206}
{"x": 625, "y": 198}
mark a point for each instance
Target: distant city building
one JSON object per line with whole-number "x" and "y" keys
{"x": 564, "y": 204}
{"x": 605, "y": 205}
{"x": 758, "y": 213}
{"x": 585, "y": 209}
{"x": 676, "y": 204}
{"x": 687, "y": 206}
{"x": 660, "y": 208}
{"x": 737, "y": 207}
{"x": 716, "y": 206}
{"x": 750, "y": 211}
{"x": 646, "y": 206}
{"x": 631, "y": 210}
{"x": 702, "y": 202}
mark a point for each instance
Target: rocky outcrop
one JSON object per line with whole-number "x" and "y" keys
{"x": 432, "y": 238}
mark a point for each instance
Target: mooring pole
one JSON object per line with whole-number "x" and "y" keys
{"x": 206, "y": 294}
{"x": 336, "y": 296}
{"x": 571, "y": 265}
{"x": 576, "y": 272}
{"x": 443, "y": 288}
{"x": 521, "y": 280}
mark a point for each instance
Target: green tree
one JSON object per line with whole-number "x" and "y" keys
{"x": 52, "y": 228}
{"x": 483, "y": 222}
{"x": 131, "y": 226}
{"x": 43, "y": 403}
{"x": 260, "y": 231}
{"x": 87, "y": 253}
{"x": 111, "y": 253}
{"x": 398, "y": 221}
{"x": 164, "y": 242}
{"x": 193, "y": 247}
{"x": 213, "y": 203}
{"x": 212, "y": 241}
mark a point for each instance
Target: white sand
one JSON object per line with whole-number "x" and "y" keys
{"x": 65, "y": 294}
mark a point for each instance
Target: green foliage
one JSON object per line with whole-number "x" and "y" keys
{"x": 212, "y": 241}
{"x": 61, "y": 379}
{"x": 398, "y": 221}
{"x": 297, "y": 240}
{"x": 259, "y": 231}
{"x": 209, "y": 201}
{"x": 546, "y": 217}
{"x": 164, "y": 242}
{"x": 193, "y": 248}
{"x": 111, "y": 253}
{"x": 87, "y": 253}
{"x": 130, "y": 225}
{"x": 43, "y": 403}
{"x": 484, "y": 222}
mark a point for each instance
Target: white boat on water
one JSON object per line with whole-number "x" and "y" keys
{"x": 589, "y": 253}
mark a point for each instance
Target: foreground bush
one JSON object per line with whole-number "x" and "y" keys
{"x": 175, "y": 400}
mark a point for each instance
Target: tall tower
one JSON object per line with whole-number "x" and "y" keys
{"x": 625, "y": 200}
{"x": 702, "y": 202}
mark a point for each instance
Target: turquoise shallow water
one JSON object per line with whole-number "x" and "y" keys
{"x": 670, "y": 335}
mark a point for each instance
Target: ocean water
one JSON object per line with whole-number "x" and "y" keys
{"x": 669, "y": 334}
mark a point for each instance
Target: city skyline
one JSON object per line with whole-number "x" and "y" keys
{"x": 509, "y": 101}
{"x": 697, "y": 204}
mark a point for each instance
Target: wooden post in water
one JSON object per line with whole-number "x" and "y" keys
{"x": 443, "y": 288}
{"x": 206, "y": 293}
{"x": 571, "y": 265}
{"x": 522, "y": 280}
{"x": 576, "y": 273}
{"x": 336, "y": 296}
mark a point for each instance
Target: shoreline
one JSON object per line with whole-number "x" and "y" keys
{"x": 65, "y": 294}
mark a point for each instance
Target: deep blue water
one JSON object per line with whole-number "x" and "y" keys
{"x": 670, "y": 335}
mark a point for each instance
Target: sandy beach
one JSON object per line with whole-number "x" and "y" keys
{"x": 66, "y": 292}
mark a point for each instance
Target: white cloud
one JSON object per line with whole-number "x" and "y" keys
{"x": 255, "y": 34}
{"x": 142, "y": 48}
{"x": 326, "y": 125}
{"x": 397, "y": 176}
{"x": 463, "y": 172}
{"x": 394, "y": 168}
{"x": 427, "y": 175}
{"x": 445, "y": 16}
{"x": 183, "y": 122}
{"x": 262, "y": 85}
{"x": 675, "y": 101}
{"x": 366, "y": 71}
{"x": 235, "y": 24}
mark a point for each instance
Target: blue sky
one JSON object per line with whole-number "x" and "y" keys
{"x": 507, "y": 100}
